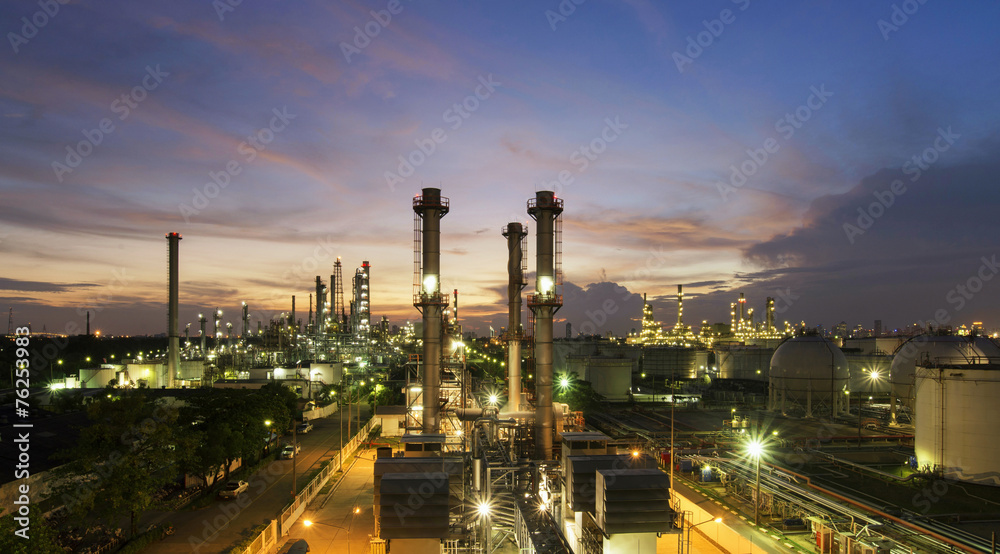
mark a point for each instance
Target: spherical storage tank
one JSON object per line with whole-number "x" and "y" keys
{"x": 956, "y": 431}
{"x": 809, "y": 374}
{"x": 935, "y": 349}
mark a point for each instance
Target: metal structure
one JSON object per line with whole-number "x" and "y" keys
{"x": 428, "y": 210}
{"x": 545, "y": 209}
{"x": 516, "y": 235}
{"x": 173, "y": 338}
{"x": 809, "y": 374}
{"x": 957, "y": 412}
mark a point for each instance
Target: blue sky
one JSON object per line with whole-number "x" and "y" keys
{"x": 643, "y": 214}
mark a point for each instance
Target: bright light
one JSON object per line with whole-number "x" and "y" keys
{"x": 755, "y": 448}
{"x": 564, "y": 382}
{"x": 775, "y": 433}
{"x": 307, "y": 523}
{"x": 484, "y": 509}
{"x": 875, "y": 375}
{"x": 545, "y": 285}
{"x": 357, "y": 510}
{"x": 635, "y": 453}
{"x": 718, "y": 520}
{"x": 267, "y": 422}
{"x": 493, "y": 399}
{"x": 430, "y": 284}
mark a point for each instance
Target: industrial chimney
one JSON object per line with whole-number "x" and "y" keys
{"x": 515, "y": 234}
{"x": 544, "y": 208}
{"x": 429, "y": 208}
{"x": 173, "y": 339}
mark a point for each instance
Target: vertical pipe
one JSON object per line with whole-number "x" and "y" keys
{"x": 318, "y": 329}
{"x": 680, "y": 307}
{"x": 514, "y": 233}
{"x": 544, "y": 208}
{"x": 431, "y": 207}
{"x": 173, "y": 344}
{"x": 202, "y": 320}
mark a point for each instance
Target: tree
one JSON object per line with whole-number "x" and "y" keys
{"x": 41, "y": 538}
{"x": 122, "y": 459}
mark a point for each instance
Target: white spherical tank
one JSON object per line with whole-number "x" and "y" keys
{"x": 956, "y": 432}
{"x": 935, "y": 349}
{"x": 809, "y": 373}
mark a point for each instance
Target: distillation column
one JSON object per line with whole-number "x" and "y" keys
{"x": 544, "y": 208}
{"x": 430, "y": 207}
{"x": 173, "y": 339}
{"x": 515, "y": 233}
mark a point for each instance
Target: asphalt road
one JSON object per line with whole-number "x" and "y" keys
{"x": 223, "y": 523}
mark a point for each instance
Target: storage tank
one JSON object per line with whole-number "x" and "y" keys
{"x": 956, "y": 432}
{"x": 809, "y": 375}
{"x": 744, "y": 362}
{"x": 936, "y": 349}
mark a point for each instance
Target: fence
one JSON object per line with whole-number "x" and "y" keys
{"x": 267, "y": 541}
{"x": 320, "y": 412}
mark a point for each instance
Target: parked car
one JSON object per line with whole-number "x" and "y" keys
{"x": 290, "y": 451}
{"x": 233, "y": 489}
{"x": 304, "y": 427}
{"x": 300, "y": 547}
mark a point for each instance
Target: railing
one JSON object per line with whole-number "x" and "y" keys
{"x": 268, "y": 539}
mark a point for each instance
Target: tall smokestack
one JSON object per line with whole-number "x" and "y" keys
{"x": 319, "y": 306}
{"x": 292, "y": 330}
{"x": 246, "y": 321}
{"x": 429, "y": 209}
{"x": 173, "y": 339}
{"x": 515, "y": 233}
{"x": 544, "y": 208}
{"x": 680, "y": 307}
{"x": 202, "y": 320}
{"x": 88, "y": 323}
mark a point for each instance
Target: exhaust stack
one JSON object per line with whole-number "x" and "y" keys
{"x": 173, "y": 339}
{"x": 544, "y": 208}
{"x": 515, "y": 234}
{"x": 429, "y": 208}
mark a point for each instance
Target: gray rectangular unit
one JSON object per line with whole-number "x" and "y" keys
{"x": 412, "y": 497}
{"x": 633, "y": 501}
{"x": 581, "y": 476}
{"x": 413, "y": 506}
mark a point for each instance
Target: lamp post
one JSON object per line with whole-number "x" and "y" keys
{"x": 756, "y": 449}
{"x": 354, "y": 513}
{"x": 690, "y": 527}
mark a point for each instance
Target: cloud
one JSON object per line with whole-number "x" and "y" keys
{"x": 40, "y": 286}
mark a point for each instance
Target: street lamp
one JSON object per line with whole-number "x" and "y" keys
{"x": 690, "y": 527}
{"x": 756, "y": 448}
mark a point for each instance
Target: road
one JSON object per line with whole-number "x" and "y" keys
{"x": 336, "y": 528}
{"x": 222, "y": 524}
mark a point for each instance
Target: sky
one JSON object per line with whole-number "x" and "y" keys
{"x": 839, "y": 156}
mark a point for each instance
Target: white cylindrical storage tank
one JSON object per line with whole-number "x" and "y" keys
{"x": 744, "y": 362}
{"x": 935, "y": 349}
{"x": 809, "y": 374}
{"x": 956, "y": 433}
